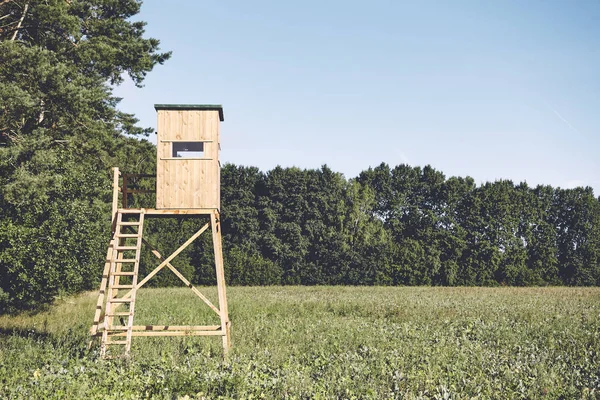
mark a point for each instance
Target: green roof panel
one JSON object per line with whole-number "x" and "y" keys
{"x": 201, "y": 107}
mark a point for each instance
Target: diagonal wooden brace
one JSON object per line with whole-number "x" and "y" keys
{"x": 168, "y": 260}
{"x": 183, "y": 279}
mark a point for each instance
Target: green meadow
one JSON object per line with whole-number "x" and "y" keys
{"x": 321, "y": 342}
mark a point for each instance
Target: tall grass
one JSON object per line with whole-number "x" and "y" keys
{"x": 322, "y": 342}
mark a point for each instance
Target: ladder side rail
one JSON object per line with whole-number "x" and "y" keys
{"x": 109, "y": 253}
{"x": 136, "y": 267}
{"x": 103, "y": 286}
{"x": 108, "y": 318}
{"x": 114, "y": 278}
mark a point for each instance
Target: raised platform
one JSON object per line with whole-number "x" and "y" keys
{"x": 169, "y": 212}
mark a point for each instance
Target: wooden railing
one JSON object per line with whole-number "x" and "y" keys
{"x": 125, "y": 190}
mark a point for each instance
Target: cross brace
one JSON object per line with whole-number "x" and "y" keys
{"x": 103, "y": 321}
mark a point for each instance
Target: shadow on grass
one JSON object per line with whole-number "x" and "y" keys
{"x": 26, "y": 333}
{"x": 71, "y": 342}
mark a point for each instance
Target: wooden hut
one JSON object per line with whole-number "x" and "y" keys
{"x": 187, "y": 156}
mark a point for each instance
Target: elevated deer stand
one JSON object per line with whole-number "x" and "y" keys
{"x": 187, "y": 185}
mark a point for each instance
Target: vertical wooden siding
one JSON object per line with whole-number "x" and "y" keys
{"x": 188, "y": 183}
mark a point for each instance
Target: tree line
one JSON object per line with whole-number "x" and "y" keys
{"x": 389, "y": 226}
{"x": 405, "y": 226}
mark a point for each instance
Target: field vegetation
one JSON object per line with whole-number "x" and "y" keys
{"x": 322, "y": 342}
{"x": 61, "y": 131}
{"x": 389, "y": 228}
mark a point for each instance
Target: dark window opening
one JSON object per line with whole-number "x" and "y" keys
{"x": 188, "y": 149}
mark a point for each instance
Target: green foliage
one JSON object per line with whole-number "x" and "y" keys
{"x": 322, "y": 342}
{"x": 60, "y": 132}
{"x": 405, "y": 226}
{"x": 251, "y": 270}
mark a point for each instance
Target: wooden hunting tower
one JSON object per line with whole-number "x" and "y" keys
{"x": 187, "y": 185}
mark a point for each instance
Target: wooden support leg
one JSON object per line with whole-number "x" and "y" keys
{"x": 225, "y": 324}
{"x": 103, "y": 284}
{"x": 112, "y": 245}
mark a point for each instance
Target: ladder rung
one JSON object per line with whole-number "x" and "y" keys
{"x": 122, "y": 287}
{"x": 125, "y": 248}
{"x": 116, "y": 342}
{"x": 127, "y": 235}
{"x": 125, "y": 260}
{"x": 130, "y": 223}
{"x": 129, "y": 210}
{"x": 118, "y": 314}
{"x": 123, "y": 273}
{"x": 117, "y": 328}
{"x": 121, "y": 300}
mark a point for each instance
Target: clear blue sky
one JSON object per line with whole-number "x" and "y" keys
{"x": 491, "y": 89}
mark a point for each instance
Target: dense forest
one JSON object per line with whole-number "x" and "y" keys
{"x": 405, "y": 226}
{"x": 61, "y": 131}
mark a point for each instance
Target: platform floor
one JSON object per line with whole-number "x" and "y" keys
{"x": 170, "y": 212}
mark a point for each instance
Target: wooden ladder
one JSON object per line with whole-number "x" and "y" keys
{"x": 123, "y": 266}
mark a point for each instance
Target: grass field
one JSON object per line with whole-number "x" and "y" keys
{"x": 322, "y": 342}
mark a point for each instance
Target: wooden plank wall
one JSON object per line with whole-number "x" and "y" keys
{"x": 188, "y": 183}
